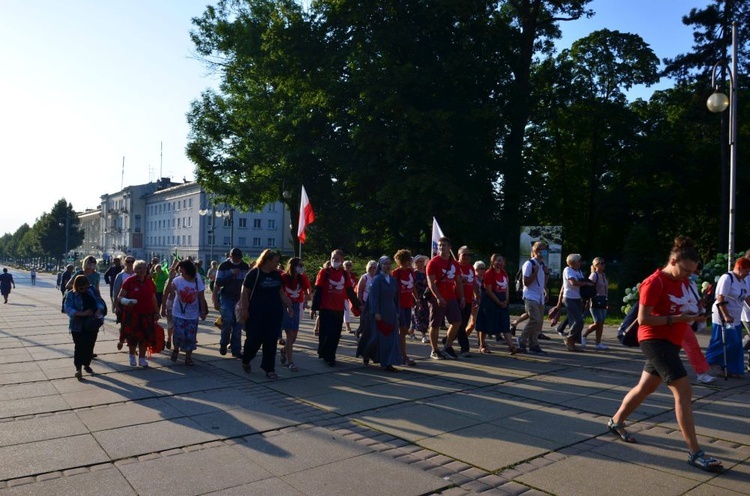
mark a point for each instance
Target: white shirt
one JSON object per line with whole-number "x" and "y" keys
{"x": 734, "y": 292}
{"x": 535, "y": 291}
{"x": 569, "y": 291}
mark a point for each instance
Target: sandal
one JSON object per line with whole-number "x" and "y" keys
{"x": 485, "y": 350}
{"x": 189, "y": 362}
{"x": 615, "y": 429}
{"x": 272, "y": 375}
{"x": 173, "y": 357}
{"x": 292, "y": 367}
{"x": 703, "y": 462}
{"x": 282, "y": 356}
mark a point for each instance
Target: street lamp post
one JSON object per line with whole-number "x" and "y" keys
{"x": 228, "y": 213}
{"x": 718, "y": 102}
{"x": 212, "y": 231}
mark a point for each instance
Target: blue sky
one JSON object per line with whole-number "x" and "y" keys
{"x": 86, "y": 82}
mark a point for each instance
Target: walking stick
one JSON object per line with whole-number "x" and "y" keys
{"x": 723, "y": 337}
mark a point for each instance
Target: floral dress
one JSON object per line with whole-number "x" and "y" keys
{"x": 420, "y": 316}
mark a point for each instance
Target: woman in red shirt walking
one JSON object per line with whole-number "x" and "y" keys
{"x": 663, "y": 321}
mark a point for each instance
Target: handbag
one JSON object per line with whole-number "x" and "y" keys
{"x": 238, "y": 306}
{"x": 384, "y": 328}
{"x": 587, "y": 292}
{"x": 599, "y": 302}
{"x": 554, "y": 315}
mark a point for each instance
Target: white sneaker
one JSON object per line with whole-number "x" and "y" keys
{"x": 425, "y": 339}
{"x": 132, "y": 360}
{"x": 706, "y": 379}
{"x": 602, "y": 347}
{"x": 583, "y": 342}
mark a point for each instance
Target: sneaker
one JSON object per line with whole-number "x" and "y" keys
{"x": 222, "y": 349}
{"x": 537, "y": 350}
{"x": 142, "y": 362}
{"x": 450, "y": 352}
{"x": 466, "y": 354}
{"x": 583, "y": 342}
{"x": 562, "y": 333}
{"x": 437, "y": 355}
{"x": 425, "y": 339}
{"x": 543, "y": 337}
{"x": 706, "y": 379}
{"x": 168, "y": 344}
{"x": 412, "y": 337}
{"x": 602, "y": 347}
{"x": 132, "y": 361}
{"x": 88, "y": 370}
{"x": 79, "y": 375}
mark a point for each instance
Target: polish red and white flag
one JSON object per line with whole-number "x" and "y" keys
{"x": 306, "y": 215}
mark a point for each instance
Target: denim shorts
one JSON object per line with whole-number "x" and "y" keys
{"x": 599, "y": 314}
{"x": 663, "y": 359}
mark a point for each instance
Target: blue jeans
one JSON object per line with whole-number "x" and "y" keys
{"x": 231, "y": 330}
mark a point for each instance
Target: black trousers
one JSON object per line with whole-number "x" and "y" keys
{"x": 84, "y": 348}
{"x": 329, "y": 334}
{"x": 262, "y": 331}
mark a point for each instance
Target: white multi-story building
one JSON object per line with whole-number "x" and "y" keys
{"x": 123, "y": 219}
{"x": 164, "y": 218}
{"x": 186, "y": 220}
{"x": 91, "y": 223}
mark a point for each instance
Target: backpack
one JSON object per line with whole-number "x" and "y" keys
{"x": 709, "y": 296}
{"x": 519, "y": 280}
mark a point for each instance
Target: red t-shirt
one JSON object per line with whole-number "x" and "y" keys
{"x": 294, "y": 287}
{"x": 469, "y": 279}
{"x": 405, "y": 278}
{"x": 445, "y": 272}
{"x": 667, "y": 297}
{"x": 497, "y": 282}
{"x": 144, "y": 292}
{"x": 334, "y": 286}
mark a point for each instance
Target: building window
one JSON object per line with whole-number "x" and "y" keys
{"x": 272, "y": 207}
{"x": 271, "y": 242}
{"x": 256, "y": 223}
{"x": 271, "y": 224}
{"x": 190, "y": 203}
{"x": 256, "y": 242}
{"x": 243, "y": 223}
{"x": 226, "y": 240}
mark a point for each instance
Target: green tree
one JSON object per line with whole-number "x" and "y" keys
{"x": 50, "y": 229}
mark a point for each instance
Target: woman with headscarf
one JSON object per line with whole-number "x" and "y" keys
{"x": 139, "y": 312}
{"x": 380, "y": 343}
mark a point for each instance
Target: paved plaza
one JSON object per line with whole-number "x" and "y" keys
{"x": 490, "y": 424}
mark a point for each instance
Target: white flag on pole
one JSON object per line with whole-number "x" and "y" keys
{"x": 437, "y": 233}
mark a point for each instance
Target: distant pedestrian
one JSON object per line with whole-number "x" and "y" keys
{"x": 6, "y": 280}
{"x": 88, "y": 269}
{"x": 535, "y": 275}
{"x": 347, "y": 306}
{"x": 211, "y": 274}
{"x": 447, "y": 299}
{"x": 109, "y": 277}
{"x": 407, "y": 294}
{"x": 32, "y": 274}
{"x": 598, "y": 304}
{"x": 297, "y": 287}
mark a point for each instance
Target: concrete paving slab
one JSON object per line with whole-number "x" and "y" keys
{"x": 347, "y": 400}
{"x": 107, "y": 481}
{"x": 147, "y": 438}
{"x": 414, "y": 421}
{"x": 309, "y": 386}
{"x": 242, "y": 422}
{"x": 297, "y": 451}
{"x": 32, "y": 406}
{"x": 101, "y": 391}
{"x": 28, "y": 390}
{"x": 482, "y": 405}
{"x": 372, "y": 474}
{"x": 192, "y": 473}
{"x": 265, "y": 486}
{"x": 489, "y": 446}
{"x": 547, "y": 423}
{"x": 592, "y": 474}
{"x": 118, "y": 415}
{"x": 22, "y": 460}
{"x": 715, "y": 424}
{"x": 40, "y": 428}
